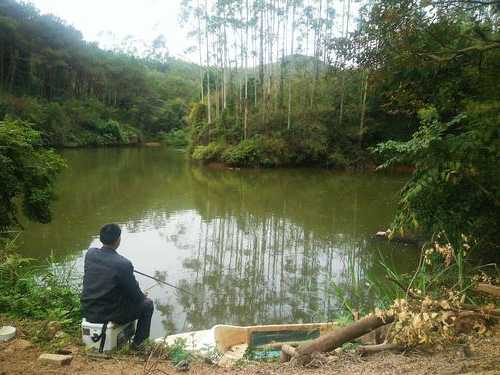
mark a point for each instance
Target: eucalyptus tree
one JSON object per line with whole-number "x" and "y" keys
{"x": 346, "y": 15}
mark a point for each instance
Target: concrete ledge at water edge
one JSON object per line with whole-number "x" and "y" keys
{"x": 152, "y": 144}
{"x": 55, "y": 359}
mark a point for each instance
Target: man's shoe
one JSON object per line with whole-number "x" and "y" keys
{"x": 138, "y": 348}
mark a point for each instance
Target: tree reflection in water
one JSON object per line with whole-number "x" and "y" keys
{"x": 256, "y": 246}
{"x": 269, "y": 270}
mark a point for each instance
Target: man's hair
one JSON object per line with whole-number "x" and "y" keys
{"x": 110, "y": 234}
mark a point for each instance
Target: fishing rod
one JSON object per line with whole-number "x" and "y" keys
{"x": 163, "y": 282}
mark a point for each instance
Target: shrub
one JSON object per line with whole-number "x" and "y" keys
{"x": 177, "y": 138}
{"x": 27, "y": 172}
{"x": 246, "y": 153}
{"x": 210, "y": 152}
{"x": 455, "y": 188}
{"x": 42, "y": 293}
{"x": 258, "y": 151}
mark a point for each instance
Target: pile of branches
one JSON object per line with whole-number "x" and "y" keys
{"x": 411, "y": 322}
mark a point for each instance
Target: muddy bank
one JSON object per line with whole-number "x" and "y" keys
{"x": 479, "y": 356}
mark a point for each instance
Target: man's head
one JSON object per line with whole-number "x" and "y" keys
{"x": 110, "y": 235}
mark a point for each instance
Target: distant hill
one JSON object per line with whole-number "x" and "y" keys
{"x": 64, "y": 85}
{"x": 296, "y": 63}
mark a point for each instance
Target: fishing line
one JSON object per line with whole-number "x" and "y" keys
{"x": 158, "y": 281}
{"x": 164, "y": 282}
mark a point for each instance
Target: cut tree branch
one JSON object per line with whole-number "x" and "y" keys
{"x": 461, "y": 52}
{"x": 335, "y": 339}
{"x": 492, "y": 290}
{"x": 368, "y": 349}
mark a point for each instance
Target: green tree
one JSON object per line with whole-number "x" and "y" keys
{"x": 455, "y": 189}
{"x": 27, "y": 172}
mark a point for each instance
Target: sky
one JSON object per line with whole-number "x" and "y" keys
{"x": 108, "y": 21}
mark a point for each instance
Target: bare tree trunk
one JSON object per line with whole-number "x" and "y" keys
{"x": 363, "y": 108}
{"x": 289, "y": 118}
{"x": 198, "y": 10}
{"x": 283, "y": 56}
{"x": 254, "y": 59}
{"x": 245, "y": 125}
{"x": 218, "y": 59}
{"x": 492, "y": 290}
{"x": 13, "y": 67}
{"x": 316, "y": 46}
{"x": 270, "y": 52}
{"x": 345, "y": 33}
{"x": 261, "y": 63}
{"x": 209, "y": 106}
{"x": 2, "y": 66}
{"x": 224, "y": 64}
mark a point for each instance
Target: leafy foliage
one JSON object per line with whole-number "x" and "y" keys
{"x": 455, "y": 188}
{"x": 27, "y": 171}
{"x": 177, "y": 138}
{"x": 70, "y": 90}
{"x": 39, "y": 293}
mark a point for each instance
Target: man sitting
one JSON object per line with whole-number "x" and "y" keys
{"x": 110, "y": 290}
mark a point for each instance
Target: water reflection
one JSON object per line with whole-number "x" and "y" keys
{"x": 271, "y": 270}
{"x": 254, "y": 246}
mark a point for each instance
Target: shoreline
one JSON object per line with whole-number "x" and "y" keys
{"x": 478, "y": 356}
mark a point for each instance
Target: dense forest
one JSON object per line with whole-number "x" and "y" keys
{"x": 77, "y": 94}
{"x": 320, "y": 81}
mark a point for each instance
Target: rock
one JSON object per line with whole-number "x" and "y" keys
{"x": 53, "y": 327}
{"x": 19, "y": 345}
{"x": 64, "y": 351}
{"x": 60, "y": 335}
{"x": 56, "y": 359}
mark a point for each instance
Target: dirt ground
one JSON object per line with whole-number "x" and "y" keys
{"x": 480, "y": 356}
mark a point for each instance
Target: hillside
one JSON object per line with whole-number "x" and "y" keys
{"x": 78, "y": 94}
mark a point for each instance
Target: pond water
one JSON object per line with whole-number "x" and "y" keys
{"x": 254, "y": 246}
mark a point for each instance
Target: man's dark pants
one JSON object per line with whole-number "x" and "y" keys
{"x": 143, "y": 315}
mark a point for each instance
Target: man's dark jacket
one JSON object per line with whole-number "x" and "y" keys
{"x": 110, "y": 290}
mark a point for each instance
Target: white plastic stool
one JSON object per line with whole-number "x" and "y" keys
{"x": 116, "y": 335}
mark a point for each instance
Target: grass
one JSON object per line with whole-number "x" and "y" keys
{"x": 442, "y": 271}
{"x": 43, "y": 299}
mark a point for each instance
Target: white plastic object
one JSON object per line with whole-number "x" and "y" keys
{"x": 116, "y": 335}
{"x": 7, "y": 333}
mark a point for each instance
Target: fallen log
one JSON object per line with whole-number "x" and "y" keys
{"x": 279, "y": 345}
{"x": 287, "y": 352}
{"x": 483, "y": 310}
{"x": 368, "y": 349}
{"x": 492, "y": 290}
{"x": 332, "y": 340}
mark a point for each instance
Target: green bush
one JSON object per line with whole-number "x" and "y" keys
{"x": 210, "y": 152}
{"x": 246, "y": 153}
{"x": 455, "y": 189}
{"x": 177, "y": 138}
{"x": 27, "y": 172}
{"x": 257, "y": 151}
{"x": 46, "y": 292}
